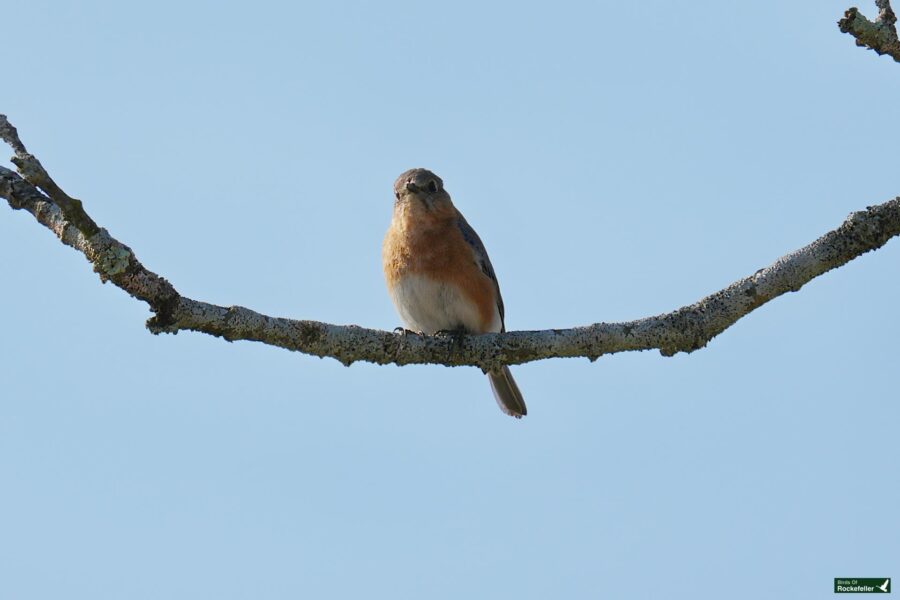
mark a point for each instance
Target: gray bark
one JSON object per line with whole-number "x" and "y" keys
{"x": 880, "y": 36}
{"x": 683, "y": 330}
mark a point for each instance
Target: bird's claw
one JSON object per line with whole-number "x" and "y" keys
{"x": 454, "y": 333}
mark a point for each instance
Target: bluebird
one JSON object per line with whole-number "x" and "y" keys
{"x": 439, "y": 275}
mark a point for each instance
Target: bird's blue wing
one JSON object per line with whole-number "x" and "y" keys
{"x": 481, "y": 258}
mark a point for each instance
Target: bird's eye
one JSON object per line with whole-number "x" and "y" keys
{"x": 432, "y": 186}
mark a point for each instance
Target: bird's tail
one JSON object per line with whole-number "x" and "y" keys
{"x": 507, "y": 393}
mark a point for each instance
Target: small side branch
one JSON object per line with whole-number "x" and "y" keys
{"x": 35, "y": 174}
{"x": 683, "y": 330}
{"x": 880, "y": 36}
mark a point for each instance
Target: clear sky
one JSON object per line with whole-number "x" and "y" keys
{"x": 619, "y": 160}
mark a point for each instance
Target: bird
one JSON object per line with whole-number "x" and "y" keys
{"x": 438, "y": 273}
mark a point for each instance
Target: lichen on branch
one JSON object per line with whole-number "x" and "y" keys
{"x": 683, "y": 330}
{"x": 880, "y": 35}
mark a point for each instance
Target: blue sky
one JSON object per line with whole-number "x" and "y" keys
{"x": 618, "y": 159}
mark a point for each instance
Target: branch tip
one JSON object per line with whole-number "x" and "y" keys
{"x": 880, "y": 36}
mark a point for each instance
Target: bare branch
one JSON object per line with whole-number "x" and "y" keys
{"x": 683, "y": 330}
{"x": 35, "y": 174}
{"x": 880, "y": 36}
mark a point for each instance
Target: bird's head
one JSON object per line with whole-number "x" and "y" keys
{"x": 420, "y": 188}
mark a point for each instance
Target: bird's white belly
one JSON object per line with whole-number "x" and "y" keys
{"x": 429, "y": 306}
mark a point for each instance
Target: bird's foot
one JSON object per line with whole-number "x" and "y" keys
{"x": 404, "y": 331}
{"x": 453, "y": 333}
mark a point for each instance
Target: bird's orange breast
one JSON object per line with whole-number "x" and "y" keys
{"x": 418, "y": 243}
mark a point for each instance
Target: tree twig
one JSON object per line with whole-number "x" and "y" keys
{"x": 683, "y": 330}
{"x": 35, "y": 174}
{"x": 880, "y": 36}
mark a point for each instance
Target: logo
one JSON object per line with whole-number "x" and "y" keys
{"x": 862, "y": 585}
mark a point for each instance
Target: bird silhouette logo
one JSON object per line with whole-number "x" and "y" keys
{"x": 885, "y": 587}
